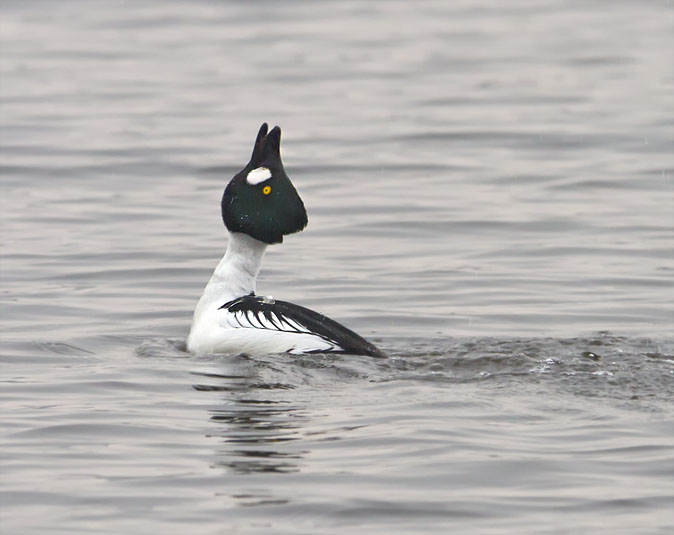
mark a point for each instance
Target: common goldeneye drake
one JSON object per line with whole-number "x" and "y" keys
{"x": 260, "y": 206}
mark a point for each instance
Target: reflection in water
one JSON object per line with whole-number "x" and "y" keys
{"x": 253, "y": 429}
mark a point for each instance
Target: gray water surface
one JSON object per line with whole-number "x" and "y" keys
{"x": 490, "y": 198}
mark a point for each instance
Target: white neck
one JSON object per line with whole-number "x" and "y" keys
{"x": 236, "y": 273}
{"x": 234, "y": 277}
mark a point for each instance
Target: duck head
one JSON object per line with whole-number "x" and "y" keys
{"x": 260, "y": 200}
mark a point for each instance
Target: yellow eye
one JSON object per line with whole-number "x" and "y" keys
{"x": 266, "y": 190}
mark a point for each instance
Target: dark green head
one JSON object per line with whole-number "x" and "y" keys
{"x": 260, "y": 200}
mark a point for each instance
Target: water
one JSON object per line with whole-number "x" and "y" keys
{"x": 489, "y": 189}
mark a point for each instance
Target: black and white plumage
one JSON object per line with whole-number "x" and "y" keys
{"x": 259, "y": 206}
{"x": 263, "y": 312}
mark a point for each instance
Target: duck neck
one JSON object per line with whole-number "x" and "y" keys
{"x": 237, "y": 271}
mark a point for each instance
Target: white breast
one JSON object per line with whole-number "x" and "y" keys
{"x": 216, "y": 330}
{"x": 224, "y": 334}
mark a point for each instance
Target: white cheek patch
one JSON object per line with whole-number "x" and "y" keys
{"x": 258, "y": 175}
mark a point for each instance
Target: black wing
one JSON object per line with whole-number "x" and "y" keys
{"x": 287, "y": 317}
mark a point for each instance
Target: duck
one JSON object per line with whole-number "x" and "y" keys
{"x": 260, "y": 206}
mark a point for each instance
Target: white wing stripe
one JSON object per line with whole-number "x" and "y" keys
{"x": 265, "y": 321}
{"x": 273, "y": 321}
{"x": 248, "y": 319}
{"x": 239, "y": 316}
{"x": 294, "y": 325}
{"x": 253, "y": 318}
